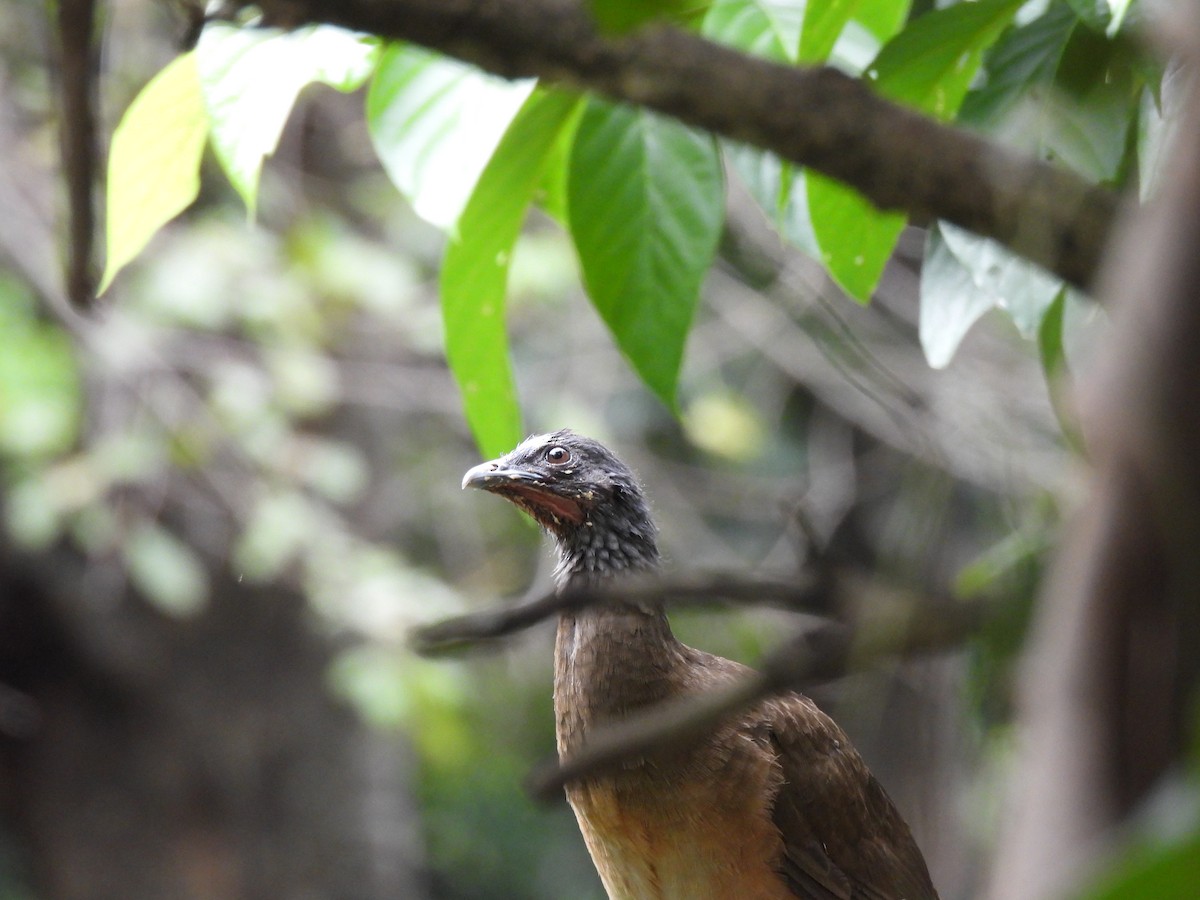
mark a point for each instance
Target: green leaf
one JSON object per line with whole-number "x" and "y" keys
{"x": 882, "y": 18}
{"x": 759, "y": 27}
{"x": 622, "y": 16}
{"x": 475, "y": 270}
{"x": 166, "y": 570}
{"x": 1050, "y": 338}
{"x": 1118, "y": 9}
{"x": 154, "y": 161}
{"x": 1052, "y": 350}
{"x": 1164, "y": 871}
{"x": 40, "y": 396}
{"x": 251, "y": 78}
{"x": 966, "y": 275}
{"x": 551, "y": 194}
{"x": 1026, "y": 56}
{"x": 646, "y": 209}
{"x": 435, "y": 123}
{"x": 828, "y": 23}
{"x": 854, "y": 237}
{"x": 931, "y": 63}
{"x": 1094, "y": 13}
{"x": 823, "y": 22}
{"x": 770, "y": 30}
{"x": 1062, "y": 91}
{"x": 928, "y": 66}
{"x": 951, "y": 301}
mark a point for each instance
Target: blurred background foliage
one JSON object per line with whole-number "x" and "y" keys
{"x": 268, "y": 403}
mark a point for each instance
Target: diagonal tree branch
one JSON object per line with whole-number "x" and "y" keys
{"x": 862, "y": 622}
{"x": 817, "y": 117}
{"x": 819, "y": 654}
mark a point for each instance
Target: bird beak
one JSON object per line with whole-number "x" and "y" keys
{"x": 489, "y": 475}
{"x": 527, "y": 491}
{"x": 478, "y": 476}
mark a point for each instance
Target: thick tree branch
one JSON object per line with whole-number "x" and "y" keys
{"x": 817, "y": 117}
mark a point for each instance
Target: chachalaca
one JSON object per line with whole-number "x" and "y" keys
{"x": 775, "y": 803}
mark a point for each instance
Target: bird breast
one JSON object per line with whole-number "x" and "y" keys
{"x": 703, "y": 832}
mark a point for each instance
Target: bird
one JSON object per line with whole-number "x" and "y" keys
{"x": 774, "y": 804}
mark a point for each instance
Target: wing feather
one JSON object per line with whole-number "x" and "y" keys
{"x": 843, "y": 838}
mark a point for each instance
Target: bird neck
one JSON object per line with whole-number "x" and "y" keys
{"x": 615, "y": 539}
{"x": 614, "y": 657}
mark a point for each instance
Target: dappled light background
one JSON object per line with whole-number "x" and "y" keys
{"x": 230, "y": 492}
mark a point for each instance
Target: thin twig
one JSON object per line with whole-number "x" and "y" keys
{"x": 803, "y": 593}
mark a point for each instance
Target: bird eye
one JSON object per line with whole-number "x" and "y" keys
{"x": 556, "y": 456}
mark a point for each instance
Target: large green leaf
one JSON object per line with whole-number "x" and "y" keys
{"x": 251, "y": 77}
{"x": 154, "y": 161}
{"x": 435, "y": 123}
{"x": 1086, "y": 122}
{"x": 929, "y": 66}
{"x": 645, "y": 197}
{"x": 475, "y": 270}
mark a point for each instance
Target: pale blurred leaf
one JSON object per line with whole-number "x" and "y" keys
{"x": 154, "y": 161}
{"x": 251, "y": 78}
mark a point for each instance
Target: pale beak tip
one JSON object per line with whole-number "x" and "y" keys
{"x": 476, "y": 476}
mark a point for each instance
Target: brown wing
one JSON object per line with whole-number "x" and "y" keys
{"x": 842, "y": 837}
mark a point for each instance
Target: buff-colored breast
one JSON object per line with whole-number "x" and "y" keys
{"x": 702, "y": 832}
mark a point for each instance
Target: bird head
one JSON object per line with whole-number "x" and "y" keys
{"x": 582, "y": 494}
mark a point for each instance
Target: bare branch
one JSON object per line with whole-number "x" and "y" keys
{"x": 817, "y": 117}
{"x": 803, "y": 593}
{"x": 77, "y": 61}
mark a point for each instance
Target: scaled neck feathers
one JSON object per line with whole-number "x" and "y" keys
{"x": 616, "y": 538}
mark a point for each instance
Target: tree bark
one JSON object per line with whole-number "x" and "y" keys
{"x": 816, "y": 117}
{"x": 1115, "y": 657}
